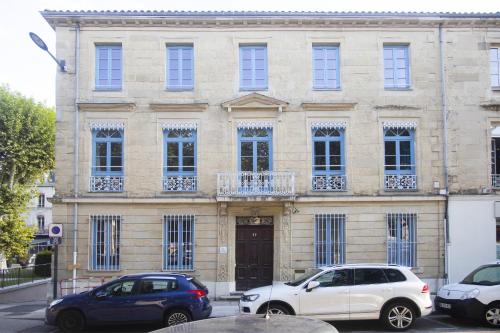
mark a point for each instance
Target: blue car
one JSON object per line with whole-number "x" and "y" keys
{"x": 166, "y": 298}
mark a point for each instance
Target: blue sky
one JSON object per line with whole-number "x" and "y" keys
{"x": 25, "y": 68}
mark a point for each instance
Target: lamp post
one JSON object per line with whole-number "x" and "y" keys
{"x": 41, "y": 44}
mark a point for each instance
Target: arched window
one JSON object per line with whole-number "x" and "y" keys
{"x": 107, "y": 152}
{"x": 399, "y": 151}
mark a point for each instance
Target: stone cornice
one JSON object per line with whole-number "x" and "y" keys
{"x": 341, "y": 106}
{"x": 254, "y": 101}
{"x": 106, "y": 107}
{"x": 397, "y": 107}
{"x": 491, "y": 106}
{"x": 169, "y": 107}
{"x": 265, "y": 19}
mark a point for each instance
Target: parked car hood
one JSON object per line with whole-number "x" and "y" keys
{"x": 266, "y": 291}
{"x": 457, "y": 290}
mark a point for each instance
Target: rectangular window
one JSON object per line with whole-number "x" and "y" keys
{"x": 328, "y": 159}
{"x": 41, "y": 223}
{"x": 108, "y": 67}
{"x": 401, "y": 239}
{"x": 41, "y": 200}
{"x": 178, "y": 242}
{"x": 495, "y": 157}
{"x": 329, "y": 239}
{"x": 179, "y": 160}
{"x": 253, "y": 67}
{"x": 180, "y": 67}
{"x": 495, "y": 67}
{"x": 105, "y": 242}
{"x": 396, "y": 67}
{"x": 326, "y": 72}
{"x": 399, "y": 150}
{"x": 107, "y": 152}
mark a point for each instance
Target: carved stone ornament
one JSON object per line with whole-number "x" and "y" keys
{"x": 329, "y": 124}
{"x": 400, "y": 124}
{"x": 179, "y": 126}
{"x": 222, "y": 272}
{"x": 254, "y": 220}
{"x": 397, "y": 107}
{"x": 107, "y": 125}
{"x": 254, "y": 124}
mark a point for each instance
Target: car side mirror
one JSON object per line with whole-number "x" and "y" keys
{"x": 101, "y": 294}
{"x": 311, "y": 285}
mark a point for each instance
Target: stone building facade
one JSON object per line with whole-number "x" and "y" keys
{"x": 246, "y": 147}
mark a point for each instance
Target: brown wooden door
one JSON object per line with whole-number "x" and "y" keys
{"x": 254, "y": 256}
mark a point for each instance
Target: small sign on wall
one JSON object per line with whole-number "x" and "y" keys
{"x": 223, "y": 250}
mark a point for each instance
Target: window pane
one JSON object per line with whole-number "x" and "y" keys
{"x": 187, "y": 163}
{"x": 172, "y": 149}
{"x": 390, "y": 162}
{"x": 369, "y": 276}
{"x": 116, "y": 149}
{"x": 262, "y": 164}
{"x": 101, "y": 149}
{"x": 247, "y": 164}
{"x": 319, "y": 148}
{"x": 116, "y": 164}
{"x": 394, "y": 275}
{"x": 246, "y": 149}
{"x": 319, "y": 163}
{"x": 188, "y": 149}
{"x": 405, "y": 147}
{"x": 262, "y": 148}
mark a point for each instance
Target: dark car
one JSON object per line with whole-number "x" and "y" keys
{"x": 165, "y": 298}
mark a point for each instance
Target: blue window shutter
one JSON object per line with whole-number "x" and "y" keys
{"x": 495, "y": 66}
{"x": 326, "y": 67}
{"x": 109, "y": 67}
{"x": 173, "y": 67}
{"x": 396, "y": 66}
{"x": 389, "y": 67}
{"x": 116, "y": 66}
{"x": 180, "y": 67}
{"x": 253, "y": 67}
{"x": 187, "y": 67}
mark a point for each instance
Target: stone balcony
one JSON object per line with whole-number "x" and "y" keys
{"x": 256, "y": 184}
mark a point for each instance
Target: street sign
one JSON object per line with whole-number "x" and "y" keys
{"x": 55, "y": 230}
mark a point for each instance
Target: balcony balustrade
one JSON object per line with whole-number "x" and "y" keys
{"x": 106, "y": 183}
{"x": 246, "y": 184}
{"x": 329, "y": 183}
{"x": 400, "y": 183}
{"x": 180, "y": 183}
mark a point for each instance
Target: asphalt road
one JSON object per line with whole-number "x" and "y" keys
{"x": 28, "y": 318}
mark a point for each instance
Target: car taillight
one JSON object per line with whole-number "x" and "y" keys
{"x": 198, "y": 293}
{"x": 425, "y": 289}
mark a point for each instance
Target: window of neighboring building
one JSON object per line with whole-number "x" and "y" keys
{"x": 498, "y": 240}
{"x": 495, "y": 157}
{"x": 328, "y": 159}
{"x": 41, "y": 222}
{"x": 495, "y": 67}
{"x": 329, "y": 239}
{"x": 108, "y": 67}
{"x": 180, "y": 67}
{"x": 107, "y": 152}
{"x": 178, "y": 242}
{"x": 179, "y": 160}
{"x": 401, "y": 239}
{"x": 105, "y": 242}
{"x": 396, "y": 67}
{"x": 253, "y": 67}
{"x": 326, "y": 71}
{"x": 399, "y": 151}
{"x": 41, "y": 200}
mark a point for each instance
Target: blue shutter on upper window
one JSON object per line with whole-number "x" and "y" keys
{"x": 396, "y": 67}
{"x": 180, "y": 67}
{"x": 108, "y": 67}
{"x": 253, "y": 67}
{"x": 326, "y": 67}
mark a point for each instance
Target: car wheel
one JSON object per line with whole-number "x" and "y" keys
{"x": 71, "y": 321}
{"x": 492, "y": 315}
{"x": 274, "y": 309}
{"x": 398, "y": 316}
{"x": 176, "y": 317}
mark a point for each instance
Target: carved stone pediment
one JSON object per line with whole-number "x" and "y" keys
{"x": 255, "y": 101}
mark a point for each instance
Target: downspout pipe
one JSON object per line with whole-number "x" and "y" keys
{"x": 76, "y": 176}
{"x": 444, "y": 115}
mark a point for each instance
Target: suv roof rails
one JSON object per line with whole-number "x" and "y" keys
{"x": 363, "y": 264}
{"x": 149, "y": 274}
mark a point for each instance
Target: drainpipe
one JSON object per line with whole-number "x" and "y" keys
{"x": 76, "y": 154}
{"x": 444, "y": 114}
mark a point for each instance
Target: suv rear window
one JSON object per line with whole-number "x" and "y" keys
{"x": 393, "y": 275}
{"x": 369, "y": 276}
{"x": 197, "y": 284}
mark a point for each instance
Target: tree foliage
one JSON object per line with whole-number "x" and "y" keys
{"x": 27, "y": 137}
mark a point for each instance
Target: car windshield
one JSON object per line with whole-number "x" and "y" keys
{"x": 484, "y": 276}
{"x": 301, "y": 279}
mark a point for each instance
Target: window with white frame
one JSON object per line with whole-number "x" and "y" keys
{"x": 253, "y": 67}
{"x": 41, "y": 223}
{"x": 178, "y": 242}
{"x": 107, "y": 159}
{"x": 326, "y": 71}
{"x": 495, "y": 67}
{"x": 179, "y": 158}
{"x": 41, "y": 200}
{"x": 105, "y": 233}
{"x": 108, "y": 67}
{"x": 396, "y": 67}
{"x": 329, "y": 239}
{"x": 401, "y": 239}
{"x": 180, "y": 67}
{"x": 328, "y": 172}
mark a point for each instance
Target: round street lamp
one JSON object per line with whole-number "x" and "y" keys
{"x": 41, "y": 44}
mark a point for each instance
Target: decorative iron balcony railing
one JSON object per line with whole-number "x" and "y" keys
{"x": 180, "y": 183}
{"x": 400, "y": 182}
{"x": 495, "y": 181}
{"x": 106, "y": 183}
{"x": 266, "y": 183}
{"x": 329, "y": 183}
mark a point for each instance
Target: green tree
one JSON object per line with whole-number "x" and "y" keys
{"x": 27, "y": 137}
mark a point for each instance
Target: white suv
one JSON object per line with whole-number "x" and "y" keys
{"x": 390, "y": 293}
